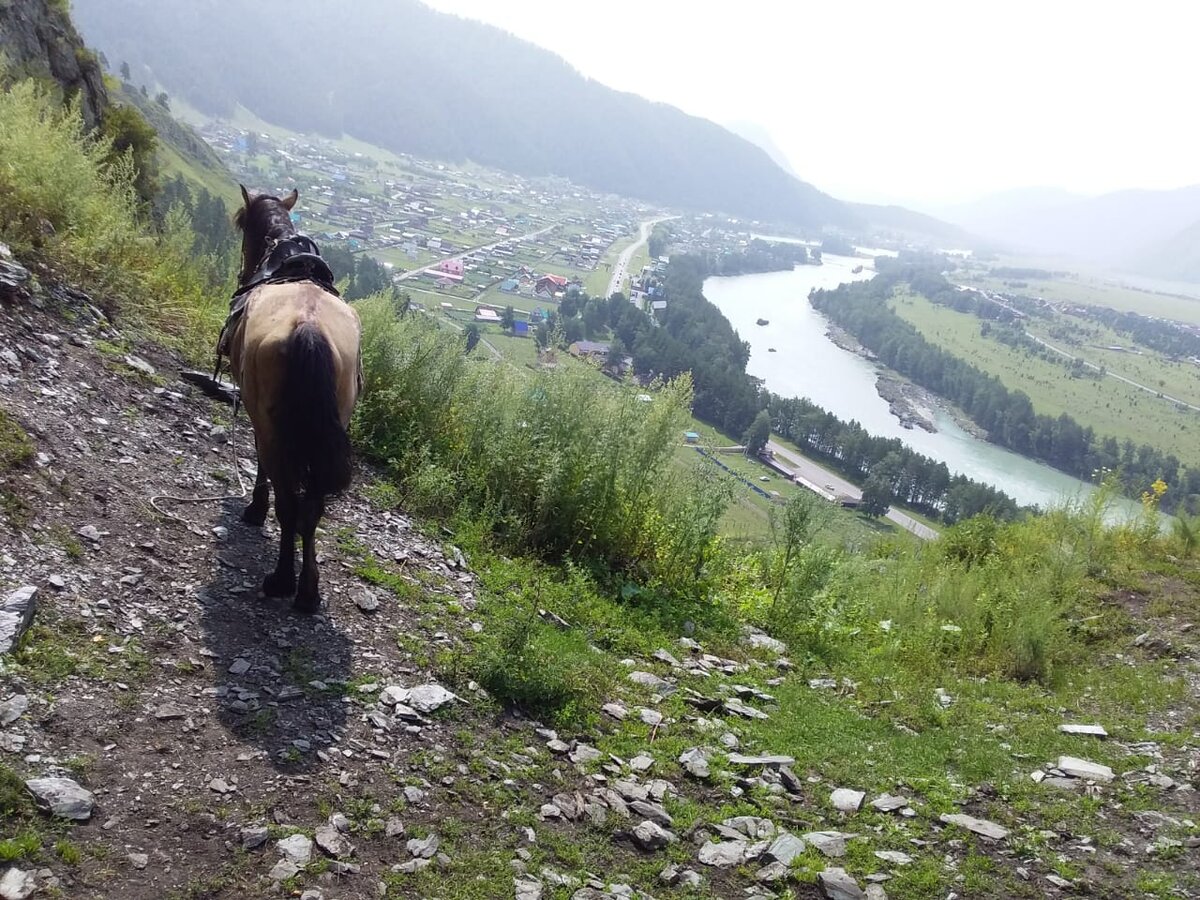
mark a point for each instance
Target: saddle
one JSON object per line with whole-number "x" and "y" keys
{"x": 295, "y": 258}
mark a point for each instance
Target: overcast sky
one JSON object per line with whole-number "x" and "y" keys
{"x": 928, "y": 103}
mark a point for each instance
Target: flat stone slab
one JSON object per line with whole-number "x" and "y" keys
{"x": 770, "y": 762}
{"x": 724, "y": 855}
{"x": 653, "y": 682}
{"x": 836, "y": 884}
{"x": 786, "y": 848}
{"x": 828, "y": 843}
{"x": 1082, "y": 768}
{"x": 888, "y": 803}
{"x": 62, "y": 797}
{"x": 1087, "y": 730}
{"x": 737, "y": 707}
{"x": 981, "y": 827}
{"x": 847, "y": 800}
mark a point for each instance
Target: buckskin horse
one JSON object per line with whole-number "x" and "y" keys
{"x": 293, "y": 347}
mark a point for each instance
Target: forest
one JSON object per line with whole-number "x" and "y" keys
{"x": 1007, "y": 416}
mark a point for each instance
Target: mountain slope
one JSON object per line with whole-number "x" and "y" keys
{"x": 1114, "y": 229}
{"x": 405, "y": 77}
{"x": 38, "y": 39}
{"x": 761, "y": 138}
{"x": 1176, "y": 258}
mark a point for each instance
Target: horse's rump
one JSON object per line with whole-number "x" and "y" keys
{"x": 313, "y": 444}
{"x": 295, "y": 356}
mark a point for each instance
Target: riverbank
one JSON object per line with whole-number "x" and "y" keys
{"x": 912, "y": 405}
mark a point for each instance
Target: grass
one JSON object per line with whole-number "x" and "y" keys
{"x": 1111, "y": 407}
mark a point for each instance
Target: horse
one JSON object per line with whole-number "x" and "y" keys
{"x": 294, "y": 352}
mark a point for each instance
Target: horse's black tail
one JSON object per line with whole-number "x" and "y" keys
{"x": 313, "y": 441}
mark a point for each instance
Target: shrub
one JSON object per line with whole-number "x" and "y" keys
{"x": 67, "y": 198}
{"x": 560, "y": 464}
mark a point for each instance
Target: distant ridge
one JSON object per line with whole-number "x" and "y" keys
{"x": 401, "y": 75}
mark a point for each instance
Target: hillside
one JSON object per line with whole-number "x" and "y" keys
{"x": 407, "y": 78}
{"x": 539, "y": 672}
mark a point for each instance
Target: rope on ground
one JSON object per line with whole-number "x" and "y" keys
{"x": 237, "y": 471}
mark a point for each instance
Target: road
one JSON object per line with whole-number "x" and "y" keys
{"x": 618, "y": 278}
{"x": 437, "y": 262}
{"x": 1111, "y": 374}
{"x": 822, "y": 476}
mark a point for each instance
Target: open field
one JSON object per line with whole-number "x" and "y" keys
{"x": 749, "y": 515}
{"x": 1088, "y": 289}
{"x": 1109, "y": 406}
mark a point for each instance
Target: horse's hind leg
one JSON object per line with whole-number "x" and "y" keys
{"x": 308, "y": 597}
{"x": 282, "y": 582}
{"x": 256, "y": 513}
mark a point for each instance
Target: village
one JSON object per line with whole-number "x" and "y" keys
{"x": 464, "y": 242}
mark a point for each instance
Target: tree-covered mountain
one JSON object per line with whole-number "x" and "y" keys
{"x": 401, "y": 75}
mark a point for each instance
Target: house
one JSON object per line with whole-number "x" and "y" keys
{"x": 691, "y": 437}
{"x": 520, "y": 328}
{"x": 510, "y": 285}
{"x": 451, "y": 267}
{"x": 549, "y": 285}
{"x": 487, "y": 314}
{"x": 589, "y": 350}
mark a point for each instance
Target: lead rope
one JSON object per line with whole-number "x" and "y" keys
{"x": 237, "y": 471}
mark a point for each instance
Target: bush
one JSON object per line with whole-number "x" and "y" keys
{"x": 560, "y": 464}
{"x": 68, "y": 199}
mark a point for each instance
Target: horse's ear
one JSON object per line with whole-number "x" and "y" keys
{"x": 290, "y": 200}
{"x": 245, "y": 196}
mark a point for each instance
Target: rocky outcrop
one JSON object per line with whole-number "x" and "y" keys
{"x": 38, "y": 39}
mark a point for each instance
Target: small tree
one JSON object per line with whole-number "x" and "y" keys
{"x": 472, "y": 335}
{"x": 163, "y": 99}
{"x": 616, "y": 356}
{"x": 876, "y": 496}
{"x": 758, "y": 434}
{"x": 792, "y": 527}
{"x": 126, "y": 76}
{"x": 508, "y": 319}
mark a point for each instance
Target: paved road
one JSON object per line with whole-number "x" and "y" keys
{"x": 822, "y": 476}
{"x": 618, "y": 277}
{"x": 437, "y": 262}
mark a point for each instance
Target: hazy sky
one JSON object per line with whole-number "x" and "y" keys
{"x": 929, "y": 102}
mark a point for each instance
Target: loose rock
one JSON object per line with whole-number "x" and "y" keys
{"x": 847, "y": 800}
{"x": 1082, "y": 768}
{"x": 62, "y": 797}
{"x": 649, "y": 835}
{"x": 17, "y": 884}
{"x": 297, "y": 848}
{"x": 981, "y": 827}
{"x": 16, "y": 615}
{"x": 835, "y": 884}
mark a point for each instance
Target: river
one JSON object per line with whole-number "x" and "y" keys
{"x": 808, "y": 364}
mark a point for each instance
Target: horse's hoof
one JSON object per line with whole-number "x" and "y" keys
{"x": 255, "y": 515}
{"x": 307, "y": 603}
{"x": 277, "y": 585}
